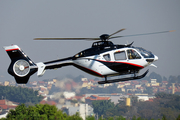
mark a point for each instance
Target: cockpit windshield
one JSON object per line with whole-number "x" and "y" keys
{"x": 144, "y": 53}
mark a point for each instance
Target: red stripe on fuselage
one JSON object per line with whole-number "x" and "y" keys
{"x": 12, "y": 49}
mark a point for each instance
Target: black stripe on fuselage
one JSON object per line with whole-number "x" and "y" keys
{"x": 88, "y": 70}
{"x": 120, "y": 66}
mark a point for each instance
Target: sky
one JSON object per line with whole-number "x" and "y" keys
{"x": 21, "y": 21}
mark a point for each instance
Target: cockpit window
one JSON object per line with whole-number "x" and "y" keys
{"x": 144, "y": 53}
{"x": 79, "y": 55}
{"x": 132, "y": 54}
{"x": 107, "y": 57}
{"x": 120, "y": 55}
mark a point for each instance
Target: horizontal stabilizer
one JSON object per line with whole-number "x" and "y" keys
{"x": 41, "y": 69}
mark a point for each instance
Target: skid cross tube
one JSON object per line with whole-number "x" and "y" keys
{"x": 123, "y": 79}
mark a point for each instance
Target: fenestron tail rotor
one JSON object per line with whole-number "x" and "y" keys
{"x": 21, "y": 68}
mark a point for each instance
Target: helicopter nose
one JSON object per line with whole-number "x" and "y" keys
{"x": 155, "y": 58}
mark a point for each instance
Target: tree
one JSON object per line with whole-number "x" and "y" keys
{"x": 178, "y": 118}
{"x": 134, "y": 99}
{"x": 39, "y": 112}
{"x": 102, "y": 106}
{"x": 148, "y": 90}
{"x": 178, "y": 78}
{"x": 173, "y": 79}
{"x": 78, "y": 78}
{"x": 164, "y": 78}
{"x": 19, "y": 94}
{"x": 154, "y": 75}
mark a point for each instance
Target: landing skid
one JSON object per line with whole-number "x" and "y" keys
{"x": 123, "y": 79}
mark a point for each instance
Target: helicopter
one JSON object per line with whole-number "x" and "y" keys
{"x": 103, "y": 59}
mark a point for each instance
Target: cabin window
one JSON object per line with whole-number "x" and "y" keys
{"x": 132, "y": 54}
{"x": 79, "y": 55}
{"x": 120, "y": 55}
{"x": 107, "y": 57}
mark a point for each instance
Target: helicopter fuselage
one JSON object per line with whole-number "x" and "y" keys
{"x": 113, "y": 60}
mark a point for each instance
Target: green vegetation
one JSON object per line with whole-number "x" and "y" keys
{"x": 39, "y": 112}
{"x": 100, "y": 107}
{"x": 165, "y": 106}
{"x": 50, "y": 112}
{"x": 171, "y": 79}
{"x": 19, "y": 94}
{"x": 154, "y": 75}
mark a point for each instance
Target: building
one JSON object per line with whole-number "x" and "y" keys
{"x": 83, "y": 109}
{"x": 154, "y": 83}
{"x": 6, "y": 104}
{"x": 85, "y": 84}
{"x": 95, "y": 97}
{"x": 48, "y": 102}
{"x": 144, "y": 97}
{"x": 84, "y": 79}
{"x": 6, "y": 83}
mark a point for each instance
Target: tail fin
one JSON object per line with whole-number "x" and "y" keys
{"x": 21, "y": 67}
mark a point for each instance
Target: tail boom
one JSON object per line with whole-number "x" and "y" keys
{"x": 22, "y": 67}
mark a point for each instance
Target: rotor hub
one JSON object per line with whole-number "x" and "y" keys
{"x": 21, "y": 67}
{"x": 104, "y": 37}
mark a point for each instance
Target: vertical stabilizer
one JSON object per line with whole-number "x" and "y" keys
{"x": 21, "y": 66}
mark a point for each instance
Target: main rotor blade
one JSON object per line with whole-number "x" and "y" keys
{"x": 66, "y": 38}
{"x": 99, "y": 38}
{"x": 142, "y": 34}
{"x": 116, "y": 32}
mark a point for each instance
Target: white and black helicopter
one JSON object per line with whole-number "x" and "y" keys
{"x": 103, "y": 59}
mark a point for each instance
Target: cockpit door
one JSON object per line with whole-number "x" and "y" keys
{"x": 133, "y": 55}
